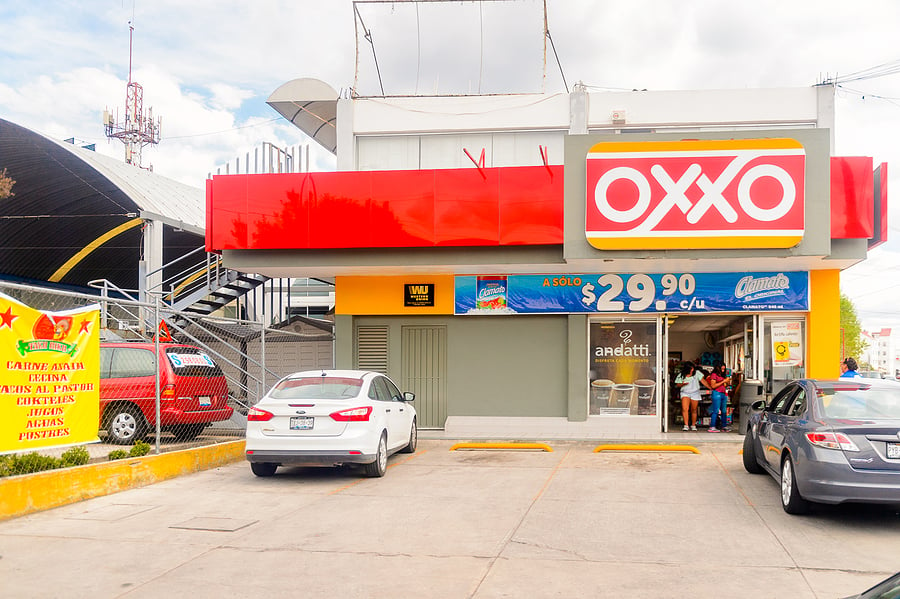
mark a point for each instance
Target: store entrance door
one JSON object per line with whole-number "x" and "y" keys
{"x": 704, "y": 340}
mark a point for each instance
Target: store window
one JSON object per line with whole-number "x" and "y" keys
{"x": 623, "y": 367}
{"x": 785, "y": 358}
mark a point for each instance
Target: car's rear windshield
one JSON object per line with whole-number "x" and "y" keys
{"x": 861, "y": 402}
{"x": 318, "y": 387}
{"x": 192, "y": 361}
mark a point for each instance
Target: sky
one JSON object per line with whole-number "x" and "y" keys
{"x": 206, "y": 68}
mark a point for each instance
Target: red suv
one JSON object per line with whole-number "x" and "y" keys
{"x": 193, "y": 391}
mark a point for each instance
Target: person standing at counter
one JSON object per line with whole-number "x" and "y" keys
{"x": 689, "y": 382}
{"x": 718, "y": 382}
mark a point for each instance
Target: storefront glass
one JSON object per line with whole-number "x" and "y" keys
{"x": 623, "y": 367}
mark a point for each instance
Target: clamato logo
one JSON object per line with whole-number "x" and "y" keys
{"x": 696, "y": 194}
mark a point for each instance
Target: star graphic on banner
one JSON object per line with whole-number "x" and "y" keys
{"x": 84, "y": 327}
{"x": 7, "y": 318}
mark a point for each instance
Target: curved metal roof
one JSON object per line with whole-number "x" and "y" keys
{"x": 77, "y": 215}
{"x": 311, "y": 105}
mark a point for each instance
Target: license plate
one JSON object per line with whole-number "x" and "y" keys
{"x": 301, "y": 423}
{"x": 893, "y": 450}
{"x": 205, "y": 400}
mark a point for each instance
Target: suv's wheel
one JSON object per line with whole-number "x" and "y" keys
{"x": 413, "y": 439}
{"x": 126, "y": 424}
{"x": 377, "y": 468}
{"x": 263, "y": 468}
{"x": 791, "y": 500}
{"x": 188, "y": 432}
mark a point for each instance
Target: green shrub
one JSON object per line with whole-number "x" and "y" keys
{"x": 117, "y": 454}
{"x": 6, "y": 465}
{"x": 77, "y": 456}
{"x": 139, "y": 448}
{"x": 33, "y": 462}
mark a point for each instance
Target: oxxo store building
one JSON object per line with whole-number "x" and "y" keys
{"x": 514, "y": 292}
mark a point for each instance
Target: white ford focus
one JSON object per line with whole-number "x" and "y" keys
{"x": 330, "y": 418}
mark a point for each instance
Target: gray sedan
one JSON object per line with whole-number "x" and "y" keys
{"x": 828, "y": 441}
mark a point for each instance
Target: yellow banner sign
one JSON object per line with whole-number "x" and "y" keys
{"x": 50, "y": 388}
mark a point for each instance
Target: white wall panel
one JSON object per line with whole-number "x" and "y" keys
{"x": 387, "y": 153}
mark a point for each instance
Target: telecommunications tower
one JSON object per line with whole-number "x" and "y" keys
{"x": 135, "y": 130}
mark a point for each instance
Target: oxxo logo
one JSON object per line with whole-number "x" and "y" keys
{"x": 695, "y": 194}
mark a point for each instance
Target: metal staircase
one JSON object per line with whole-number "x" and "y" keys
{"x": 198, "y": 283}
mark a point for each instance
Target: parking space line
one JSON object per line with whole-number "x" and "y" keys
{"x": 638, "y": 447}
{"x": 541, "y": 446}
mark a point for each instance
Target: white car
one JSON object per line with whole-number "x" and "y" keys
{"x": 330, "y": 418}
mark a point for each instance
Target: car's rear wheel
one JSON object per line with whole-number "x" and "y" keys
{"x": 413, "y": 439}
{"x": 749, "y": 455}
{"x": 377, "y": 468}
{"x": 188, "y": 432}
{"x": 126, "y": 424}
{"x": 791, "y": 500}
{"x": 263, "y": 468}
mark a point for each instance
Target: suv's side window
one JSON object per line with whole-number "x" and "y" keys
{"x": 129, "y": 362}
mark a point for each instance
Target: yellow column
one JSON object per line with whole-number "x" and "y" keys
{"x": 824, "y": 324}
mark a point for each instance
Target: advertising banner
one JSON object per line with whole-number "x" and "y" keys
{"x": 622, "y": 368}
{"x": 693, "y": 194}
{"x": 632, "y": 293}
{"x": 50, "y": 390}
{"x": 787, "y": 343}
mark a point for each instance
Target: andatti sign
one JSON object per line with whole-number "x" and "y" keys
{"x": 695, "y": 194}
{"x": 638, "y": 293}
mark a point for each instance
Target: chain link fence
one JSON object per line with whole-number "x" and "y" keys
{"x": 173, "y": 379}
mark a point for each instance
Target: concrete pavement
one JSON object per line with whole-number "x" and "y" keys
{"x": 474, "y": 523}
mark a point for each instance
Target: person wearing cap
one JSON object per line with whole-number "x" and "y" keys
{"x": 848, "y": 369}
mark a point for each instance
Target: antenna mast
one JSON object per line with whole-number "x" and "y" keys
{"x": 135, "y": 130}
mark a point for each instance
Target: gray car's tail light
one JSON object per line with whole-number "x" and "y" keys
{"x": 832, "y": 441}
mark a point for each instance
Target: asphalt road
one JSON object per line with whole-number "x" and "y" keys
{"x": 457, "y": 524}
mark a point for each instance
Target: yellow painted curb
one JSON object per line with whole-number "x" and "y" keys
{"x": 624, "y": 447}
{"x": 29, "y": 493}
{"x": 542, "y": 446}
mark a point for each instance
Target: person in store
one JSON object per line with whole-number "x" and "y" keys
{"x": 848, "y": 369}
{"x": 688, "y": 381}
{"x": 718, "y": 381}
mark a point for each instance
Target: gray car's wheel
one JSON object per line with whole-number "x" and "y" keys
{"x": 749, "y": 455}
{"x": 125, "y": 425}
{"x": 263, "y": 468}
{"x": 791, "y": 500}
{"x": 377, "y": 468}
{"x": 413, "y": 439}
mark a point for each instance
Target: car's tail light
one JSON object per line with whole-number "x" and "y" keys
{"x": 167, "y": 392}
{"x": 832, "y": 441}
{"x": 258, "y": 415}
{"x": 352, "y": 414}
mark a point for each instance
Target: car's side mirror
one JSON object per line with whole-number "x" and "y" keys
{"x": 408, "y": 396}
{"x": 758, "y": 406}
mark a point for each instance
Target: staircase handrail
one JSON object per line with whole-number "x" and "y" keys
{"x": 210, "y": 268}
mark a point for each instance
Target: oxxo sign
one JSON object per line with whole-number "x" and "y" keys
{"x": 736, "y": 193}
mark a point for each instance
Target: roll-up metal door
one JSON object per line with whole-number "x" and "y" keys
{"x": 424, "y": 372}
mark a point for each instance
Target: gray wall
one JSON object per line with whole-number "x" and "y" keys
{"x": 497, "y": 366}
